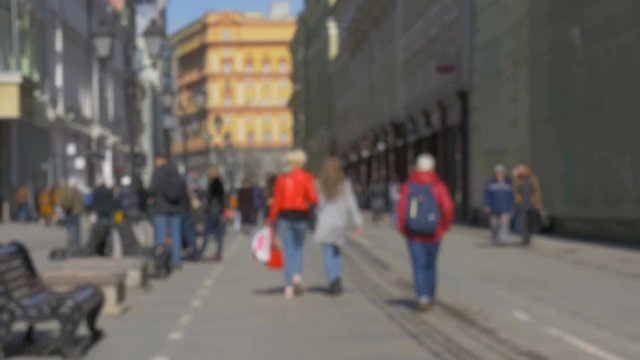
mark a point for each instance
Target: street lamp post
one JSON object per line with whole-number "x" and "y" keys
{"x": 154, "y": 37}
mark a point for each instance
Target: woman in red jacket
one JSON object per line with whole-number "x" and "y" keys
{"x": 294, "y": 196}
{"x": 424, "y": 248}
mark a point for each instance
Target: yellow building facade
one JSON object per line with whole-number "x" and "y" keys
{"x": 237, "y": 67}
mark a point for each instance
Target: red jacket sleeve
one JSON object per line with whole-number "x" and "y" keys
{"x": 402, "y": 209}
{"x": 312, "y": 191}
{"x": 445, "y": 202}
{"x": 277, "y": 200}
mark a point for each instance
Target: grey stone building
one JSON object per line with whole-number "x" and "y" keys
{"x": 401, "y": 88}
{"x": 553, "y": 87}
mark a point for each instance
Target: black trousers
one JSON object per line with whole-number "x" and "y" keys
{"x": 530, "y": 224}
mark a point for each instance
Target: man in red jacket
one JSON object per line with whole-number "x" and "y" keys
{"x": 424, "y": 248}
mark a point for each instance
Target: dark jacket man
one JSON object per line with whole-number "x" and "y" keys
{"x": 167, "y": 190}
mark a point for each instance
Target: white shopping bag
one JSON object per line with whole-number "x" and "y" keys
{"x": 261, "y": 245}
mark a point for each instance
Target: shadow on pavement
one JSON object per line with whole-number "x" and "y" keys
{"x": 510, "y": 244}
{"x": 408, "y": 304}
{"x": 278, "y": 290}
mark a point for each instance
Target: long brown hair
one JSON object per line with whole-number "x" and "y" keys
{"x": 332, "y": 178}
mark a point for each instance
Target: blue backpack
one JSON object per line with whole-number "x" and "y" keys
{"x": 423, "y": 213}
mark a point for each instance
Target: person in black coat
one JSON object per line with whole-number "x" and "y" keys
{"x": 166, "y": 195}
{"x": 215, "y": 204}
{"x": 103, "y": 202}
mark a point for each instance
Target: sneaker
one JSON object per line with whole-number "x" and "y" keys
{"x": 335, "y": 287}
{"x": 424, "y": 304}
{"x": 297, "y": 285}
{"x": 217, "y": 258}
{"x": 298, "y": 289}
{"x": 289, "y": 292}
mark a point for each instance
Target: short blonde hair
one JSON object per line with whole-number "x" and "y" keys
{"x": 425, "y": 162}
{"x": 296, "y": 158}
{"x": 213, "y": 173}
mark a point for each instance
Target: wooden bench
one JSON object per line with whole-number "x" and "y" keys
{"x": 25, "y": 298}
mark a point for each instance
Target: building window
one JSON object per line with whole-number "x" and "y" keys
{"x": 250, "y": 137}
{"x": 226, "y": 68}
{"x": 267, "y": 137}
{"x": 284, "y": 138}
{"x": 267, "y": 121}
{"x": 266, "y": 68}
{"x": 283, "y": 84}
{"x": 226, "y": 53}
{"x": 228, "y": 102}
{"x": 283, "y": 67}
{"x": 226, "y": 35}
{"x": 250, "y": 69}
{"x": 250, "y": 120}
{"x": 283, "y": 120}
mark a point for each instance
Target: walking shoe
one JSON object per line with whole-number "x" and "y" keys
{"x": 424, "y": 305}
{"x": 289, "y": 292}
{"x": 217, "y": 258}
{"x": 335, "y": 287}
{"x": 297, "y": 285}
{"x": 298, "y": 289}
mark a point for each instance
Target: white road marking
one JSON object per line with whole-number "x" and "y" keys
{"x": 197, "y": 302}
{"x": 160, "y": 358}
{"x": 203, "y": 292}
{"x": 175, "y": 336}
{"x": 521, "y": 315}
{"x": 185, "y": 320}
{"x": 208, "y": 282}
{"x": 582, "y": 344}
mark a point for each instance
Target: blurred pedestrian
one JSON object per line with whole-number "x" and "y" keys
{"x": 246, "y": 202}
{"x": 337, "y": 211}
{"x": 394, "y": 198}
{"x": 295, "y": 194}
{"x": 499, "y": 204}
{"x": 214, "y": 224}
{"x": 189, "y": 203}
{"x": 46, "y": 207}
{"x": 258, "y": 201}
{"x": 425, "y": 213}
{"x": 269, "y": 191}
{"x": 528, "y": 200}
{"x": 103, "y": 202}
{"x": 21, "y": 201}
{"x": 72, "y": 203}
{"x": 166, "y": 195}
{"x": 378, "y": 198}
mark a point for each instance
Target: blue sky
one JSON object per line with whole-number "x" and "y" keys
{"x": 183, "y": 12}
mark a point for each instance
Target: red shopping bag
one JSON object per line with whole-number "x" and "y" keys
{"x": 276, "y": 261}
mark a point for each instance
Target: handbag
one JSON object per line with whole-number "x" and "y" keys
{"x": 276, "y": 260}
{"x": 265, "y": 251}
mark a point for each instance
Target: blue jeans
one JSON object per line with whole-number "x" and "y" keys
{"x": 160, "y": 224}
{"x": 189, "y": 232}
{"x": 424, "y": 258}
{"x": 213, "y": 226}
{"x": 72, "y": 223}
{"x": 332, "y": 261}
{"x": 23, "y": 213}
{"x": 292, "y": 236}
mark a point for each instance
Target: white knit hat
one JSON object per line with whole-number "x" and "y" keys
{"x": 425, "y": 162}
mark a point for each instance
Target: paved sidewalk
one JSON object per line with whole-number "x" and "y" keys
{"x": 236, "y": 311}
{"x": 553, "y": 300}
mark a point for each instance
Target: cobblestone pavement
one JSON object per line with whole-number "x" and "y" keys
{"x": 555, "y": 300}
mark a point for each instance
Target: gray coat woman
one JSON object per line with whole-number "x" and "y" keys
{"x": 337, "y": 213}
